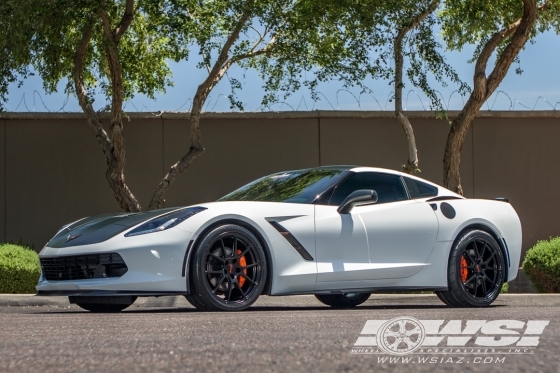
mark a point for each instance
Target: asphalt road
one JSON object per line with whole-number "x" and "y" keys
{"x": 278, "y": 334}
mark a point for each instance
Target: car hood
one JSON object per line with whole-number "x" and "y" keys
{"x": 99, "y": 228}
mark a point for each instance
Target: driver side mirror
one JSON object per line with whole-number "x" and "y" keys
{"x": 357, "y": 197}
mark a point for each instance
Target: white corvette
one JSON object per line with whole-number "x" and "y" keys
{"x": 339, "y": 233}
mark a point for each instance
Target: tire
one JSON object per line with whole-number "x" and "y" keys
{"x": 346, "y": 300}
{"x": 229, "y": 270}
{"x": 103, "y": 304}
{"x": 193, "y": 300}
{"x": 476, "y": 270}
{"x": 447, "y": 298}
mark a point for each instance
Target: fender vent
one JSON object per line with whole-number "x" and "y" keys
{"x": 292, "y": 240}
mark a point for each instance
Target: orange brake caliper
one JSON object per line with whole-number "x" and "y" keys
{"x": 242, "y": 263}
{"x": 464, "y": 269}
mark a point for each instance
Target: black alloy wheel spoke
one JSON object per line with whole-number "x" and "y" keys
{"x": 249, "y": 266}
{"x": 241, "y": 290}
{"x": 248, "y": 278}
{"x": 483, "y": 251}
{"x": 217, "y": 257}
{"x": 244, "y": 252}
{"x": 215, "y": 272}
{"x": 223, "y": 250}
{"x": 490, "y": 258}
{"x": 493, "y": 282}
{"x": 475, "y": 250}
{"x": 473, "y": 260}
{"x": 484, "y": 290}
{"x": 218, "y": 284}
{"x": 234, "y": 247}
{"x": 469, "y": 280}
{"x": 230, "y": 288}
{"x": 477, "y": 285}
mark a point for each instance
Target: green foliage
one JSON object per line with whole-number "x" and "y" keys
{"x": 542, "y": 266}
{"x": 45, "y": 35}
{"x": 473, "y": 22}
{"x": 505, "y": 288}
{"x": 19, "y": 269}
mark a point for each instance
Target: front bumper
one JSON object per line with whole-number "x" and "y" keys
{"x": 155, "y": 266}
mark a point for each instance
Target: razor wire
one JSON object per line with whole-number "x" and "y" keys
{"x": 353, "y": 102}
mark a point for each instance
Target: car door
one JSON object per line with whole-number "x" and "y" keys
{"x": 399, "y": 232}
{"x": 341, "y": 246}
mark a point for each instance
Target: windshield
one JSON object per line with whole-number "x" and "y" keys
{"x": 301, "y": 186}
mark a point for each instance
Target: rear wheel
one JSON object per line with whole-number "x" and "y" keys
{"x": 447, "y": 298}
{"x": 345, "y": 300}
{"x": 476, "y": 270}
{"x": 229, "y": 270}
{"x": 103, "y": 304}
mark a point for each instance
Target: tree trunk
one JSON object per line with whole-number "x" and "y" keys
{"x": 411, "y": 165}
{"x": 483, "y": 87}
{"x": 113, "y": 148}
{"x": 116, "y": 163}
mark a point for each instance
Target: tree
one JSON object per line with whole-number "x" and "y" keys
{"x": 278, "y": 38}
{"x": 109, "y": 46}
{"x": 498, "y": 27}
{"x": 389, "y": 33}
{"x": 411, "y": 165}
{"x": 120, "y": 47}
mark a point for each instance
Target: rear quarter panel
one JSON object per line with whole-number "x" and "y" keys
{"x": 498, "y": 216}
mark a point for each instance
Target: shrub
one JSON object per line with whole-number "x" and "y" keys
{"x": 19, "y": 269}
{"x": 542, "y": 266}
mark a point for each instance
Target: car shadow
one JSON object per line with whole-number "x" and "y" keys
{"x": 148, "y": 310}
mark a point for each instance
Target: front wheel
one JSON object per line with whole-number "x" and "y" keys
{"x": 229, "y": 270}
{"x": 476, "y": 270}
{"x": 345, "y": 300}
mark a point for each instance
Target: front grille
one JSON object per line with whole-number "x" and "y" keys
{"x": 82, "y": 267}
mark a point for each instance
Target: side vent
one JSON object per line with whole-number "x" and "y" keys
{"x": 292, "y": 240}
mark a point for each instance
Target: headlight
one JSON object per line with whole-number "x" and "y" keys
{"x": 164, "y": 222}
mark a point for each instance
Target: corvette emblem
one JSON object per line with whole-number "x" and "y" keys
{"x": 70, "y": 237}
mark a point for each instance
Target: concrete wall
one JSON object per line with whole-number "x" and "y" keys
{"x": 53, "y": 170}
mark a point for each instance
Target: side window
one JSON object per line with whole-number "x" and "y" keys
{"x": 389, "y": 188}
{"x": 418, "y": 189}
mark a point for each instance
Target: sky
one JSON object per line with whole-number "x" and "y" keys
{"x": 538, "y": 88}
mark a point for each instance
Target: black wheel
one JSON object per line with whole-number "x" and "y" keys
{"x": 229, "y": 270}
{"x": 103, "y": 304}
{"x": 476, "y": 270}
{"x": 346, "y": 300}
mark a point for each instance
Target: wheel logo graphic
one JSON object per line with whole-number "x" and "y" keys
{"x": 401, "y": 336}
